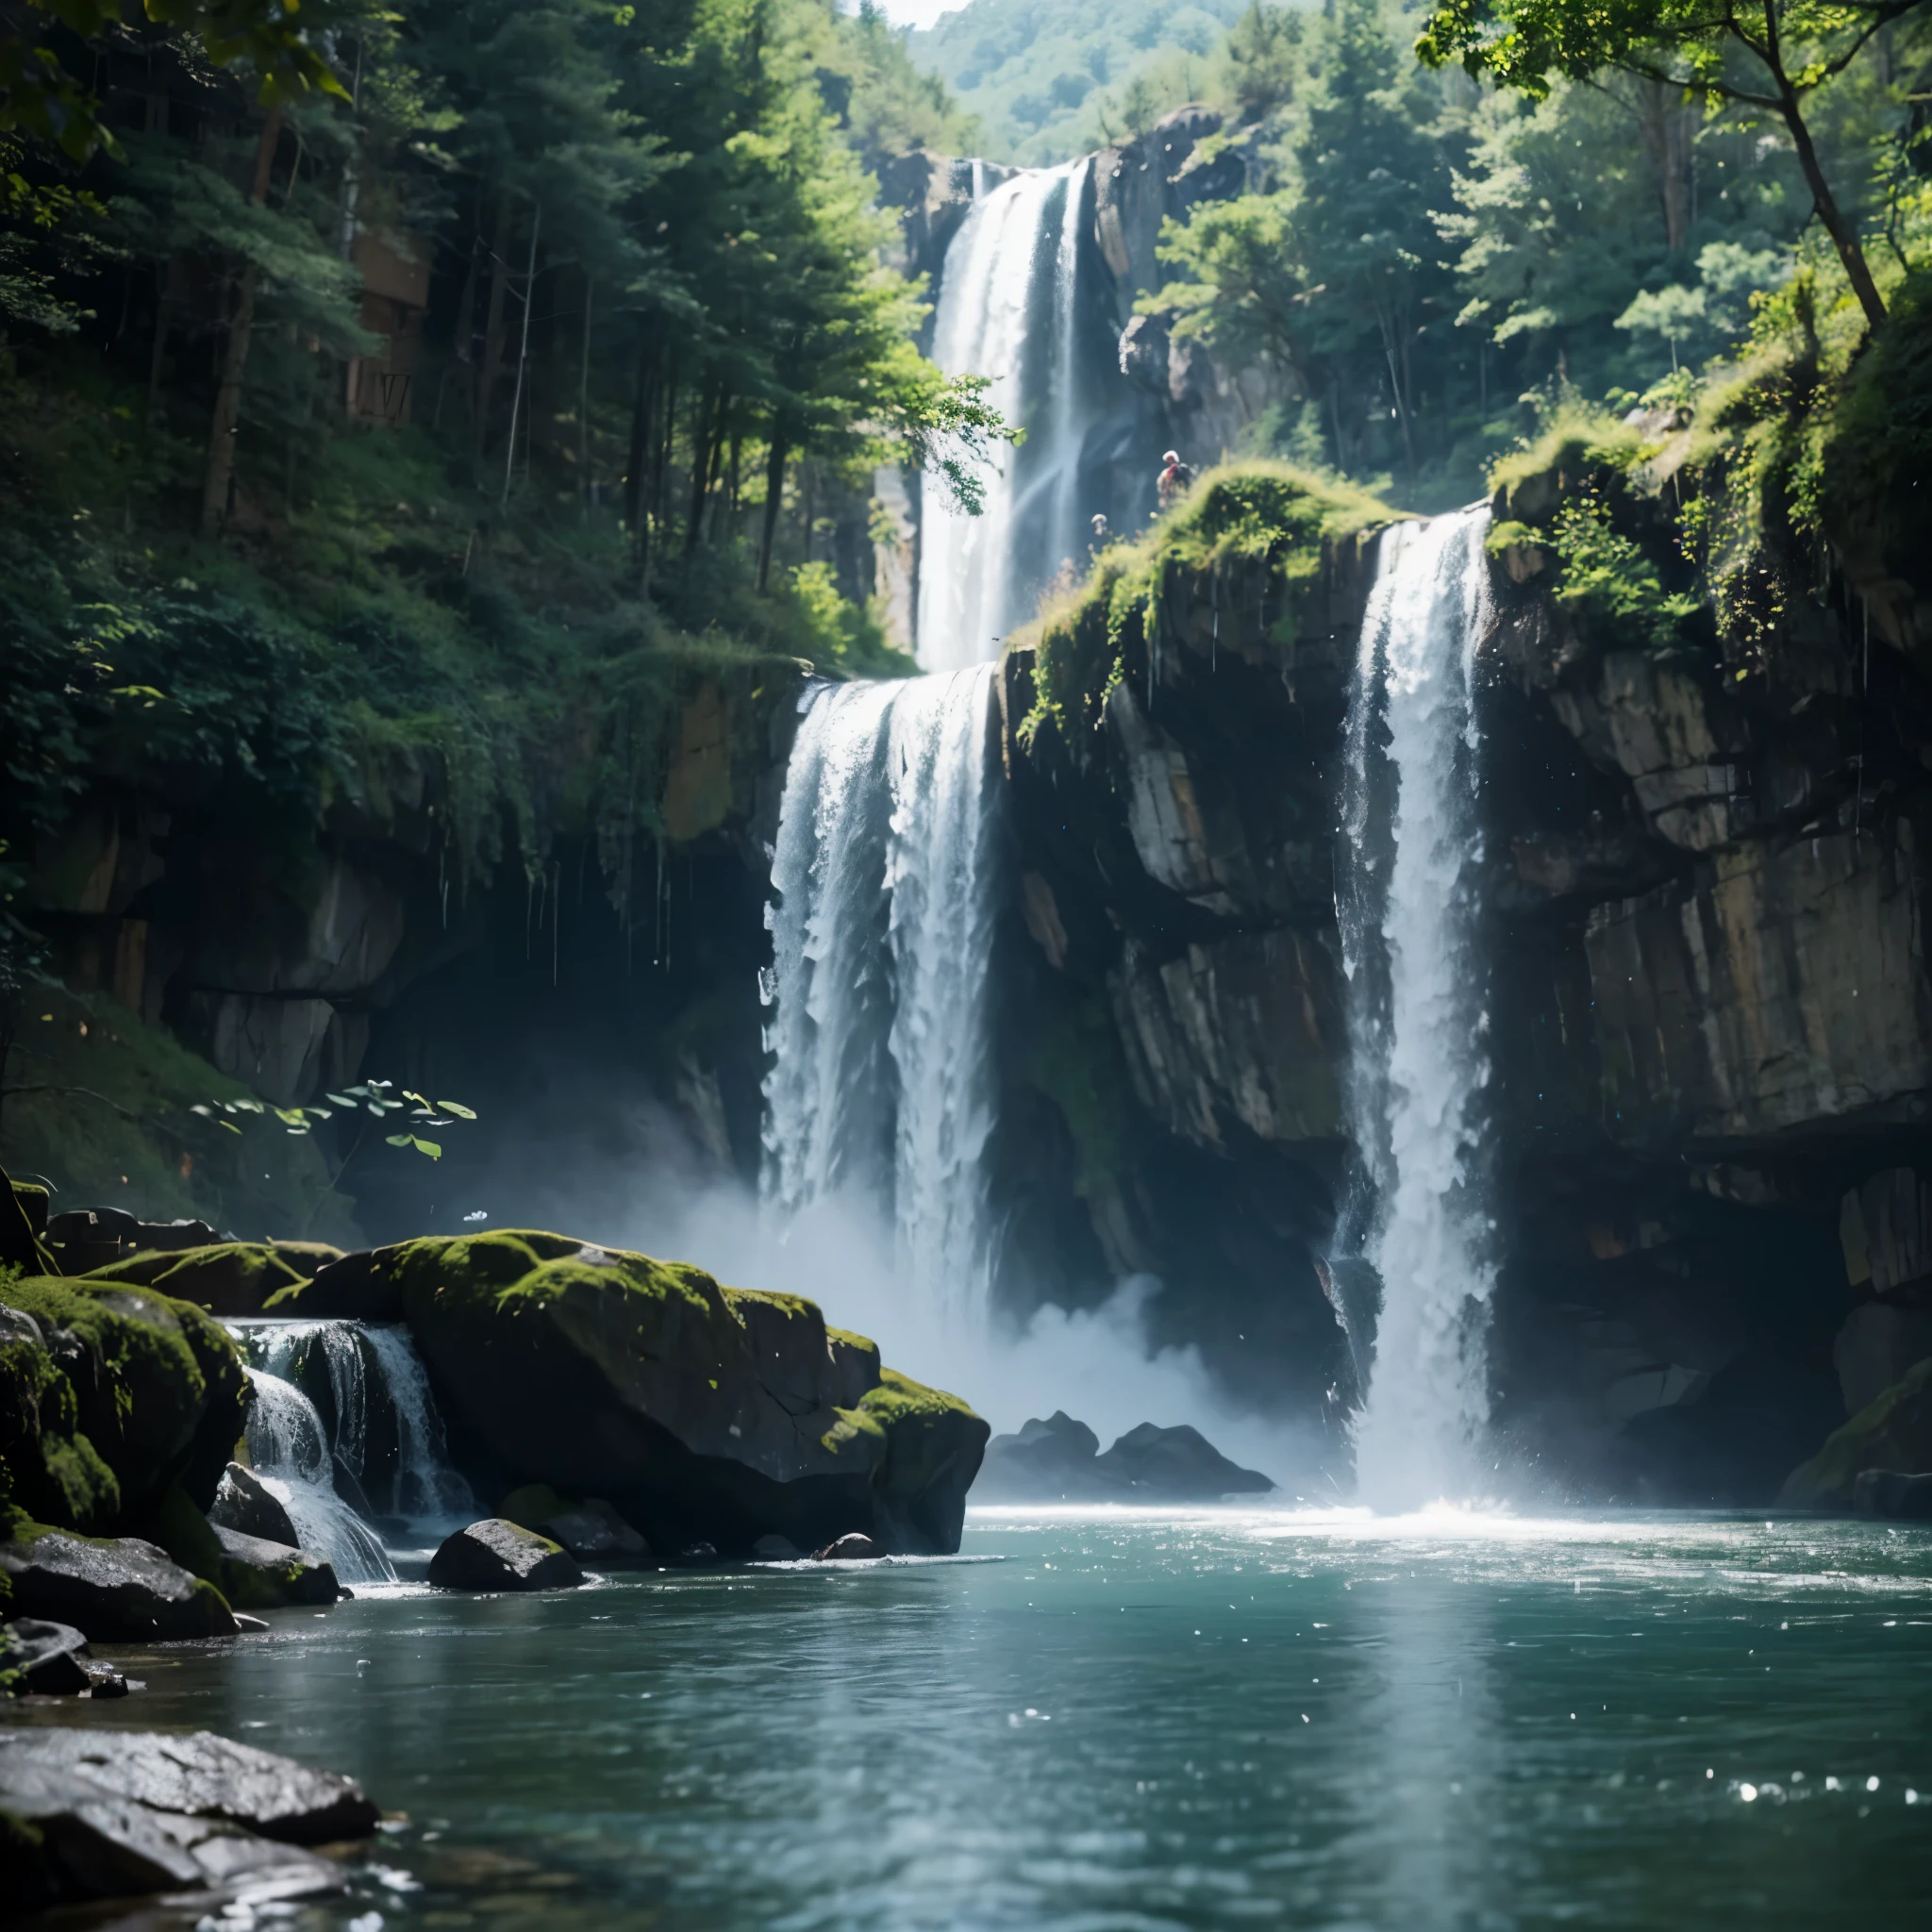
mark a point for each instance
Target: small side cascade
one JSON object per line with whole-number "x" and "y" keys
{"x": 345, "y": 1423}
{"x": 289, "y": 1449}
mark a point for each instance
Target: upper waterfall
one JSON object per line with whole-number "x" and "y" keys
{"x": 1406, "y": 899}
{"x": 1009, "y": 310}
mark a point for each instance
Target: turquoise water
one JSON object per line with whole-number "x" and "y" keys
{"x": 1101, "y": 1722}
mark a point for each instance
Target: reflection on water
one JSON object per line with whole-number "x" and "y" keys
{"x": 1119, "y": 1721}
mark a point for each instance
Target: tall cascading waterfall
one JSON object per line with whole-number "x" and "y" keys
{"x": 1009, "y": 310}
{"x": 881, "y": 1086}
{"x": 1408, "y": 904}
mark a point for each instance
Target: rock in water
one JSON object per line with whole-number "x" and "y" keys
{"x": 775, "y": 1549}
{"x": 1178, "y": 1466}
{"x": 1887, "y": 1492}
{"x": 1892, "y": 1433}
{"x": 1055, "y": 1461}
{"x": 45, "y": 1658}
{"x": 1050, "y": 1461}
{"x": 851, "y": 1548}
{"x": 704, "y": 1413}
{"x": 261, "y": 1575}
{"x": 245, "y": 1505}
{"x": 495, "y": 1555}
{"x": 124, "y": 1591}
{"x": 128, "y": 1812}
{"x": 591, "y": 1530}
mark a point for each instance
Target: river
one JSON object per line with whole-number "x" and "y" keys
{"x": 1125, "y": 1721}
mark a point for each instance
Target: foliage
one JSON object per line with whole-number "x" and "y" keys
{"x": 1045, "y": 83}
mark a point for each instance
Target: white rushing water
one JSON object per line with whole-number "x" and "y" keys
{"x": 289, "y": 1450}
{"x": 1008, "y": 311}
{"x": 881, "y": 1083}
{"x": 1417, "y": 992}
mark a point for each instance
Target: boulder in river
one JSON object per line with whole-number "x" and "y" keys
{"x": 260, "y": 1575}
{"x": 703, "y": 1413}
{"x": 495, "y": 1555}
{"x": 246, "y": 1504}
{"x": 591, "y": 1530}
{"x": 48, "y": 1659}
{"x": 120, "y": 1590}
{"x": 95, "y": 1814}
{"x": 1055, "y": 1460}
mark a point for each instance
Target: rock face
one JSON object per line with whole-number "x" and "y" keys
{"x": 1892, "y": 1435}
{"x": 124, "y": 1592}
{"x": 129, "y": 1813}
{"x": 1058, "y": 1460}
{"x": 701, "y": 1412}
{"x": 591, "y": 1530}
{"x": 495, "y": 1555}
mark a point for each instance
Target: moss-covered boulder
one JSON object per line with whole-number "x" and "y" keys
{"x": 703, "y": 1413}
{"x": 126, "y": 1392}
{"x": 225, "y": 1277}
{"x": 1893, "y": 1431}
{"x": 118, "y": 1590}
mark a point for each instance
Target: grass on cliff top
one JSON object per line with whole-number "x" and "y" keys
{"x": 1251, "y": 512}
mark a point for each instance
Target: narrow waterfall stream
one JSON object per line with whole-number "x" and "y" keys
{"x": 1407, "y": 898}
{"x": 1008, "y": 311}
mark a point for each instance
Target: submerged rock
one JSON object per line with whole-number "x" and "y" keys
{"x": 43, "y": 1657}
{"x": 495, "y": 1555}
{"x": 95, "y": 1814}
{"x": 852, "y": 1548}
{"x": 1055, "y": 1460}
{"x": 704, "y": 1413}
{"x": 121, "y": 1591}
{"x": 1890, "y": 1434}
{"x": 246, "y": 1505}
{"x": 1888, "y": 1492}
{"x": 776, "y": 1549}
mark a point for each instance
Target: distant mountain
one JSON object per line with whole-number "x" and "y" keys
{"x": 1050, "y": 78}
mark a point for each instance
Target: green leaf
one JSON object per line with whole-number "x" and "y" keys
{"x": 402, "y": 1139}
{"x": 229, "y": 1125}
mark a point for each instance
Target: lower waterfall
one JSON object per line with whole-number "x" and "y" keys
{"x": 382, "y": 1440}
{"x": 881, "y": 1083}
{"x": 1406, "y": 899}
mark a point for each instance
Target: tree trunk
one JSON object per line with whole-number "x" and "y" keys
{"x": 636, "y": 512}
{"x": 1844, "y": 237}
{"x": 493, "y": 330}
{"x": 164, "y": 315}
{"x": 774, "y": 493}
{"x": 218, "y": 473}
{"x": 667, "y": 428}
{"x": 1667, "y": 123}
{"x": 584, "y": 402}
{"x": 522, "y": 356}
{"x": 700, "y": 464}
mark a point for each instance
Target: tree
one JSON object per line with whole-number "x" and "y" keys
{"x": 39, "y": 97}
{"x": 1695, "y": 47}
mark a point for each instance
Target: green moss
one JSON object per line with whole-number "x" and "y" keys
{"x": 1576, "y": 442}
{"x": 235, "y": 1278}
{"x": 1077, "y": 1062}
{"x": 1262, "y": 514}
{"x": 52, "y": 1469}
{"x": 170, "y": 1373}
{"x": 187, "y": 1534}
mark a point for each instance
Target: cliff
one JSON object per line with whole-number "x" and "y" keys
{"x": 1705, "y": 794}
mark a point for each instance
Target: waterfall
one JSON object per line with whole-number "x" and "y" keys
{"x": 383, "y": 1440}
{"x": 1406, "y": 901}
{"x": 881, "y": 1081}
{"x": 289, "y": 1449}
{"x": 1008, "y": 311}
